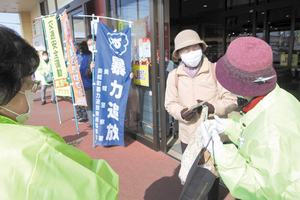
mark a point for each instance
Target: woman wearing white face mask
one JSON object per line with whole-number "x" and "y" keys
{"x": 35, "y": 162}
{"x": 193, "y": 81}
{"x": 45, "y": 69}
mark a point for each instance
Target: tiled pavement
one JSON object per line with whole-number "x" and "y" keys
{"x": 143, "y": 173}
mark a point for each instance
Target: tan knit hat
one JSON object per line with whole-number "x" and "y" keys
{"x": 187, "y": 38}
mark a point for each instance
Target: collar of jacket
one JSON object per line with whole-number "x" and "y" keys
{"x": 203, "y": 69}
{"x": 6, "y": 120}
{"x": 260, "y": 107}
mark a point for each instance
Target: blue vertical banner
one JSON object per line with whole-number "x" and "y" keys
{"x": 112, "y": 82}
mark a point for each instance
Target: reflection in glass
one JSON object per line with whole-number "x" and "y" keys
{"x": 212, "y": 34}
{"x": 78, "y": 27}
{"x": 260, "y": 24}
{"x": 279, "y": 23}
{"x": 296, "y": 49}
{"x": 238, "y": 3}
{"x": 238, "y": 26}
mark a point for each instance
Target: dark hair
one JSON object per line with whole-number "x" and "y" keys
{"x": 45, "y": 52}
{"x": 18, "y": 60}
{"x": 90, "y": 37}
{"x": 83, "y": 48}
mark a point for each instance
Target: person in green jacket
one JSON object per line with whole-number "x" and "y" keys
{"x": 264, "y": 161}
{"x": 43, "y": 70}
{"x": 36, "y": 163}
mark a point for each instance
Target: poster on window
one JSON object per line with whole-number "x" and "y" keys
{"x": 146, "y": 47}
{"x": 141, "y": 75}
{"x": 284, "y": 60}
{"x": 112, "y": 82}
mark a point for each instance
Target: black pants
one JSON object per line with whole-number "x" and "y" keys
{"x": 81, "y": 112}
{"x": 214, "y": 191}
{"x": 89, "y": 107}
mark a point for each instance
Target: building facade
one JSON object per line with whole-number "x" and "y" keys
{"x": 155, "y": 25}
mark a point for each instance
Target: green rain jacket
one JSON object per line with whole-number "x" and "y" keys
{"x": 36, "y": 163}
{"x": 43, "y": 69}
{"x": 266, "y": 164}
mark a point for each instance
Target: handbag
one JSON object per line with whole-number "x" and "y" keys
{"x": 48, "y": 78}
{"x": 199, "y": 180}
{"x": 192, "y": 151}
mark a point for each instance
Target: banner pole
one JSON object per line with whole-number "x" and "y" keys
{"x": 74, "y": 106}
{"x": 93, "y": 79}
{"x": 71, "y": 84}
{"x": 51, "y": 70}
{"x": 93, "y": 16}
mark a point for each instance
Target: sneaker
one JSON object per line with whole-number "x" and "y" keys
{"x": 78, "y": 118}
{"x": 54, "y": 102}
{"x": 90, "y": 127}
{"x": 81, "y": 121}
{"x": 43, "y": 103}
{"x": 88, "y": 124}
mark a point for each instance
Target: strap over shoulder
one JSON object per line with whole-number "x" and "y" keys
{"x": 176, "y": 78}
{"x": 213, "y": 71}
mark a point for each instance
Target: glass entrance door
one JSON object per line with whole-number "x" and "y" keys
{"x": 279, "y": 35}
{"x": 77, "y": 24}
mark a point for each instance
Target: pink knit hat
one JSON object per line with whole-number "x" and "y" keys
{"x": 247, "y": 67}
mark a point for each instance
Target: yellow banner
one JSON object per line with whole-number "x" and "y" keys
{"x": 78, "y": 88}
{"x": 141, "y": 75}
{"x": 57, "y": 61}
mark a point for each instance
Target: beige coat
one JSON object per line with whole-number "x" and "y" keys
{"x": 202, "y": 87}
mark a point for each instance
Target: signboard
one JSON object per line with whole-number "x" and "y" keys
{"x": 38, "y": 40}
{"x": 37, "y": 27}
{"x": 284, "y": 60}
{"x": 141, "y": 75}
{"x": 77, "y": 84}
{"x": 112, "y": 82}
{"x": 39, "y": 43}
{"x": 146, "y": 47}
{"x": 57, "y": 61}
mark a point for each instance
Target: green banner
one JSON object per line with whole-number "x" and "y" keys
{"x": 56, "y": 56}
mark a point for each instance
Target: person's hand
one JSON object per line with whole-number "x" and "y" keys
{"x": 131, "y": 75}
{"x": 199, "y": 109}
{"x": 211, "y": 108}
{"x": 211, "y": 138}
{"x": 92, "y": 65}
{"x": 221, "y": 123}
{"x": 188, "y": 114}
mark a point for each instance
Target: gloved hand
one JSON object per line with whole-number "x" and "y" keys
{"x": 221, "y": 123}
{"x": 208, "y": 131}
{"x": 211, "y": 108}
{"x": 188, "y": 115}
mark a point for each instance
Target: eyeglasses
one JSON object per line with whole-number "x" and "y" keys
{"x": 34, "y": 85}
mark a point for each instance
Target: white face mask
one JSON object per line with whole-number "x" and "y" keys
{"x": 91, "y": 48}
{"x": 192, "y": 58}
{"x": 21, "y": 118}
{"x": 45, "y": 57}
